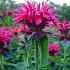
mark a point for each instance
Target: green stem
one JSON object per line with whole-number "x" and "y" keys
{"x": 26, "y": 41}
{"x": 8, "y": 67}
{"x": 44, "y": 52}
{"x": 30, "y": 62}
{"x": 2, "y": 64}
{"x": 36, "y": 44}
{"x": 64, "y": 59}
{"x": 49, "y": 67}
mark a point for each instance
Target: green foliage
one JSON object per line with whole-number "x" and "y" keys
{"x": 31, "y": 55}
{"x": 64, "y": 11}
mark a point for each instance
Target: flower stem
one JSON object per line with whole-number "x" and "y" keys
{"x": 44, "y": 52}
{"x": 2, "y": 64}
{"x": 30, "y": 62}
{"x": 64, "y": 59}
{"x": 36, "y": 44}
{"x": 49, "y": 67}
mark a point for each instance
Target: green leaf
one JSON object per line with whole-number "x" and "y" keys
{"x": 55, "y": 59}
{"x": 21, "y": 65}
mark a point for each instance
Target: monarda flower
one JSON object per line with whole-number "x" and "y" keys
{"x": 23, "y": 44}
{"x": 1, "y": 15}
{"x": 5, "y": 38}
{"x": 9, "y": 12}
{"x": 20, "y": 40}
{"x": 15, "y": 31}
{"x": 53, "y": 48}
{"x": 36, "y": 17}
{"x": 63, "y": 30}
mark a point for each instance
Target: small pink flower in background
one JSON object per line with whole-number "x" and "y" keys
{"x": 63, "y": 30}
{"x": 5, "y": 36}
{"x": 1, "y": 15}
{"x": 5, "y": 39}
{"x": 15, "y": 31}
{"x": 20, "y": 40}
{"x": 9, "y": 12}
{"x": 63, "y": 26}
{"x": 53, "y": 48}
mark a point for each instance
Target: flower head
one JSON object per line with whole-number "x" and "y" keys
{"x": 1, "y": 15}
{"x": 20, "y": 40}
{"x": 34, "y": 12}
{"x": 63, "y": 30}
{"x": 53, "y": 48}
{"x": 63, "y": 26}
{"x": 36, "y": 17}
{"x": 15, "y": 31}
{"x": 9, "y": 12}
{"x": 5, "y": 38}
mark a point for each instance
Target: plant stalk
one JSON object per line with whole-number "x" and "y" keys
{"x": 36, "y": 44}
{"x": 2, "y": 64}
{"x": 64, "y": 59}
{"x": 44, "y": 52}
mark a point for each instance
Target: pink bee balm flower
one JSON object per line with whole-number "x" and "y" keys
{"x": 15, "y": 30}
{"x": 36, "y": 17}
{"x": 53, "y": 48}
{"x": 5, "y": 36}
{"x": 35, "y": 12}
{"x": 1, "y": 15}
{"x": 63, "y": 30}
{"x": 20, "y": 40}
{"x": 9, "y": 12}
{"x": 63, "y": 26}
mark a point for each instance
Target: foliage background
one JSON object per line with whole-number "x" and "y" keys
{"x": 21, "y": 57}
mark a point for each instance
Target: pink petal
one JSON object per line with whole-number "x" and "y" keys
{"x": 64, "y": 24}
{"x": 21, "y": 11}
{"x": 25, "y": 7}
{"x": 38, "y": 21}
{"x": 38, "y": 7}
{"x": 16, "y": 20}
{"x": 30, "y": 6}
